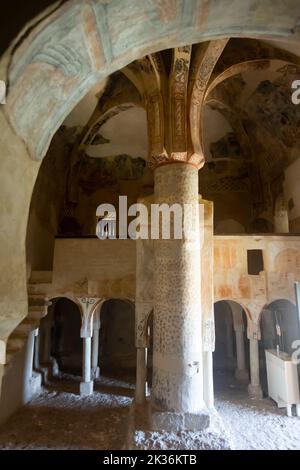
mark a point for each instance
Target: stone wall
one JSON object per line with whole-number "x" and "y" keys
{"x": 19, "y": 385}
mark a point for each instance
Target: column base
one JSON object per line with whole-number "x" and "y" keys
{"x": 86, "y": 388}
{"x": 96, "y": 373}
{"x": 45, "y": 374}
{"x": 171, "y": 421}
{"x": 54, "y": 367}
{"x": 207, "y": 433}
{"x": 35, "y": 384}
{"x": 255, "y": 391}
{"x": 242, "y": 375}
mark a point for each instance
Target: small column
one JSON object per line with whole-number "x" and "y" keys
{"x": 95, "y": 352}
{"x": 87, "y": 385}
{"x": 141, "y": 375}
{"x": 254, "y": 388}
{"x": 208, "y": 380}
{"x": 30, "y": 353}
{"x": 241, "y": 373}
{"x": 36, "y": 360}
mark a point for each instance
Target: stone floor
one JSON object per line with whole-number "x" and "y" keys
{"x": 60, "y": 419}
{"x": 254, "y": 424}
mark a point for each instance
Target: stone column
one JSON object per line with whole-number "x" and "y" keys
{"x": 89, "y": 306}
{"x": 30, "y": 353}
{"x": 254, "y": 387}
{"x": 208, "y": 391}
{"x": 37, "y": 349}
{"x": 33, "y": 380}
{"x": 241, "y": 372}
{"x": 177, "y": 336}
{"x": 141, "y": 375}
{"x": 87, "y": 385}
{"x": 95, "y": 350}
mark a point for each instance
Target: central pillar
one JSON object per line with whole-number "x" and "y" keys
{"x": 177, "y": 337}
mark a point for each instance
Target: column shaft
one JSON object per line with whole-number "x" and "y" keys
{"x": 30, "y": 353}
{"x": 87, "y": 385}
{"x": 177, "y": 337}
{"x": 37, "y": 350}
{"x": 86, "y": 366}
{"x": 95, "y": 353}
{"x": 141, "y": 375}
{"x": 254, "y": 387}
{"x": 208, "y": 379}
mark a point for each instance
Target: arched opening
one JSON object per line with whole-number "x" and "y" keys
{"x": 231, "y": 355}
{"x": 66, "y": 343}
{"x": 58, "y": 345}
{"x": 117, "y": 352}
{"x": 279, "y": 329}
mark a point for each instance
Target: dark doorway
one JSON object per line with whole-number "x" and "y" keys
{"x": 117, "y": 352}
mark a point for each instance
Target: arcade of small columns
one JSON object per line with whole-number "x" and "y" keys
{"x": 39, "y": 353}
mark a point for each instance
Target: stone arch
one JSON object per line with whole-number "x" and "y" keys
{"x": 242, "y": 67}
{"x": 98, "y": 123}
{"x": 231, "y": 339}
{"x": 237, "y": 302}
{"x": 60, "y": 55}
{"x": 68, "y": 296}
{"x": 63, "y": 72}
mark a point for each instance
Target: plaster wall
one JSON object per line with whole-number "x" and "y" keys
{"x": 18, "y": 385}
{"x": 281, "y": 269}
{"x": 107, "y": 269}
{"x": 101, "y": 267}
{"x": 17, "y": 175}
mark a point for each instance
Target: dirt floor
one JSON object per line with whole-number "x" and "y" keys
{"x": 60, "y": 419}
